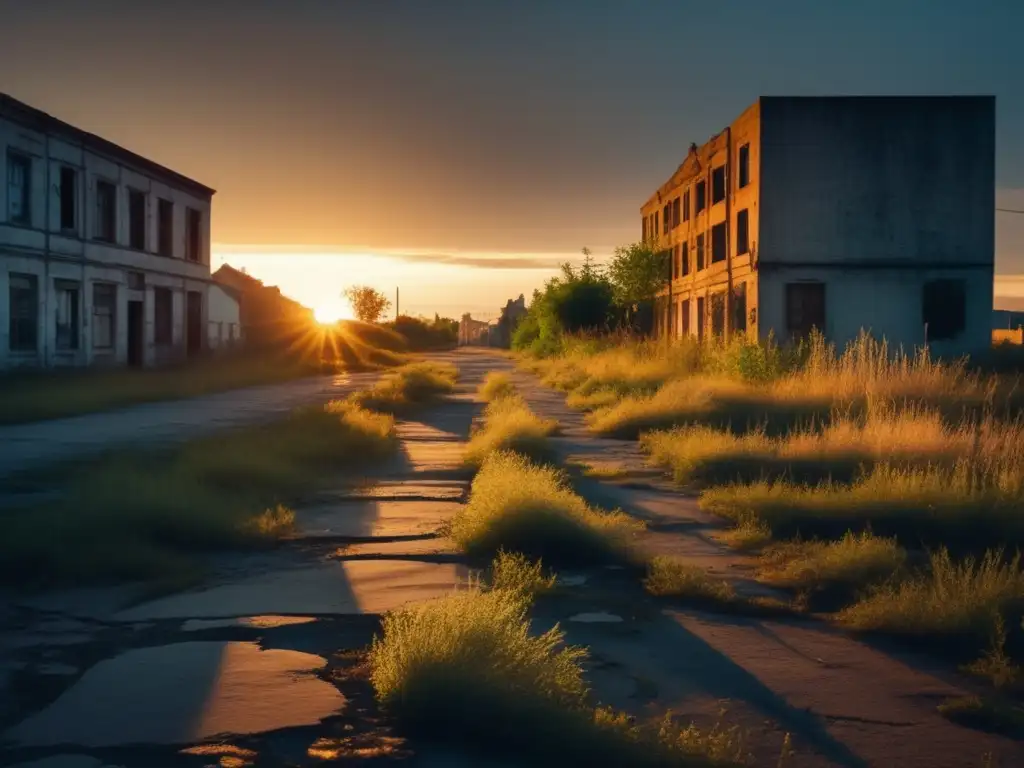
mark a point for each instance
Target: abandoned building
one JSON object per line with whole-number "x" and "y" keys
{"x": 104, "y": 254}
{"x": 835, "y": 213}
{"x": 267, "y": 316}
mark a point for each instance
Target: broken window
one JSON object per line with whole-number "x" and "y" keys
{"x": 943, "y": 309}
{"x": 19, "y": 188}
{"x": 700, "y": 252}
{"x": 742, "y": 232}
{"x": 23, "y": 322}
{"x": 676, "y": 220}
{"x": 68, "y": 196}
{"x": 684, "y": 258}
{"x": 104, "y": 311}
{"x": 718, "y": 243}
{"x": 718, "y": 184}
{"x": 163, "y": 317}
{"x": 106, "y": 211}
{"x": 718, "y": 313}
{"x": 805, "y": 308}
{"x": 137, "y": 219}
{"x": 744, "y": 167}
{"x": 66, "y": 321}
{"x": 702, "y": 196}
{"x": 739, "y": 308}
{"x": 193, "y": 237}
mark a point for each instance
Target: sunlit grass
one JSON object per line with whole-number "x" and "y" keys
{"x": 852, "y": 563}
{"x": 495, "y": 386}
{"x": 409, "y": 386}
{"x": 517, "y": 506}
{"x": 143, "y": 514}
{"x": 674, "y": 577}
{"x": 518, "y": 573}
{"x": 510, "y": 425}
{"x": 469, "y": 669}
{"x": 951, "y": 600}
{"x": 963, "y": 506}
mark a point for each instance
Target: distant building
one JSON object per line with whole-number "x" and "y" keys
{"x": 266, "y": 315}
{"x": 472, "y": 332}
{"x": 840, "y": 213}
{"x": 104, "y": 254}
{"x": 224, "y": 324}
{"x": 511, "y": 314}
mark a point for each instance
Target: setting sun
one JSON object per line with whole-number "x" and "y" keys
{"x": 331, "y": 312}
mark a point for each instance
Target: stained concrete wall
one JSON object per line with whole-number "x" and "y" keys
{"x": 41, "y": 247}
{"x": 874, "y": 196}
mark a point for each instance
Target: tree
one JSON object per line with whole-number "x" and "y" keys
{"x": 637, "y": 272}
{"x": 368, "y": 304}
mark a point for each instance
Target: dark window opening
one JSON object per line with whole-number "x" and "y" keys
{"x": 739, "y": 308}
{"x": 685, "y": 258}
{"x": 702, "y": 196}
{"x": 666, "y": 219}
{"x": 655, "y": 230}
{"x": 67, "y": 315}
{"x": 700, "y": 317}
{"x": 676, "y": 220}
{"x": 106, "y": 211}
{"x": 718, "y": 313}
{"x": 686, "y": 205}
{"x": 23, "y": 308}
{"x": 104, "y": 311}
{"x": 700, "y": 252}
{"x": 684, "y": 311}
{"x": 718, "y": 243}
{"x": 165, "y": 226}
{"x": 137, "y": 219}
{"x": 944, "y": 309}
{"x": 192, "y": 234}
{"x": 163, "y": 317}
{"x": 19, "y": 188}
{"x": 643, "y": 229}
{"x": 718, "y": 185}
{"x": 744, "y": 166}
{"x": 68, "y": 196}
{"x": 805, "y": 308}
{"x": 742, "y": 232}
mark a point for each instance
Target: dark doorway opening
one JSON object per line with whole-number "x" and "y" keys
{"x": 136, "y": 326}
{"x": 194, "y": 323}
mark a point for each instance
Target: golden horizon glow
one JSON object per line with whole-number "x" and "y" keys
{"x": 331, "y": 312}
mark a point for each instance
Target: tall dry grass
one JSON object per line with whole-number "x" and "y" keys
{"x": 510, "y": 425}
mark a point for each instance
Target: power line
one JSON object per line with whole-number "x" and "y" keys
{"x": 1009, "y": 210}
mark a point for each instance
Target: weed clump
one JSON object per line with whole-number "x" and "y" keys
{"x": 510, "y": 425}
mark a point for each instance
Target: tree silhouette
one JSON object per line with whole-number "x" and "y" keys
{"x": 368, "y": 304}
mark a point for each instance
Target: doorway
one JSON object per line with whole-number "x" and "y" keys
{"x": 194, "y": 323}
{"x": 136, "y": 324}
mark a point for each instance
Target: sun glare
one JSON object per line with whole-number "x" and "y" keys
{"x": 331, "y": 312}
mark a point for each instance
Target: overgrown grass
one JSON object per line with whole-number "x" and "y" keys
{"x": 988, "y": 713}
{"x": 408, "y": 387}
{"x": 950, "y": 602}
{"x": 672, "y": 577}
{"x": 964, "y": 507}
{"x": 143, "y": 515}
{"x": 510, "y": 425}
{"x": 496, "y": 385}
{"x": 517, "y": 573}
{"x": 518, "y": 506}
{"x": 837, "y": 569}
{"x": 467, "y": 669}
{"x": 749, "y": 535}
{"x": 839, "y": 450}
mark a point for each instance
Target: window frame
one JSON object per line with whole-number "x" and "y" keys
{"x": 743, "y": 169}
{"x": 14, "y": 157}
{"x": 140, "y": 196}
{"x": 742, "y": 231}
{"x": 69, "y": 197}
{"x": 101, "y": 218}
{"x": 97, "y": 288}
{"x": 15, "y": 324}
{"x": 61, "y": 287}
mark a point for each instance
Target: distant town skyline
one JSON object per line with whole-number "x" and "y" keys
{"x": 456, "y": 128}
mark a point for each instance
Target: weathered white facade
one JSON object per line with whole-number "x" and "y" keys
{"x": 839, "y": 213}
{"x": 104, "y": 255}
{"x": 224, "y": 319}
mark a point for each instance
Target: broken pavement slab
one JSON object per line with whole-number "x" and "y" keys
{"x": 370, "y": 518}
{"x": 184, "y": 693}
{"x": 338, "y": 587}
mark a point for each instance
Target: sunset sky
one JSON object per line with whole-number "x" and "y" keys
{"x": 476, "y": 144}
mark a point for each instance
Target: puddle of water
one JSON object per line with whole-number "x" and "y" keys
{"x": 252, "y": 622}
{"x": 572, "y": 581}
{"x": 182, "y": 694}
{"x": 599, "y": 617}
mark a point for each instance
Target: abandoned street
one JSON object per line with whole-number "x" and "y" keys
{"x": 261, "y": 664}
